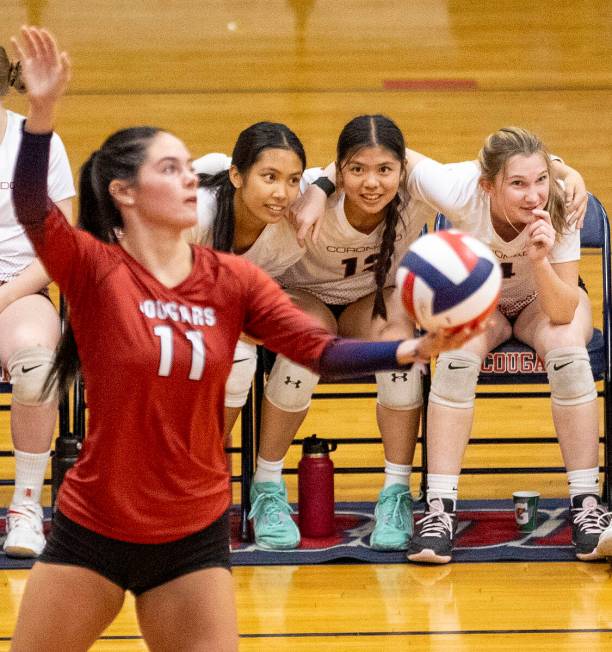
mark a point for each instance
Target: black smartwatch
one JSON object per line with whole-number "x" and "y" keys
{"x": 327, "y": 186}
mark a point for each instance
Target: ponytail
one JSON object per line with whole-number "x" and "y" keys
{"x": 224, "y": 226}
{"x": 377, "y": 131}
{"x": 120, "y": 157}
{"x": 251, "y": 142}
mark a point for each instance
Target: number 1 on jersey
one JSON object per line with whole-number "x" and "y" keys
{"x": 198, "y": 352}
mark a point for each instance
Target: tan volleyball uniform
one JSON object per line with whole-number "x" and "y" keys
{"x": 338, "y": 268}
{"x": 454, "y": 190}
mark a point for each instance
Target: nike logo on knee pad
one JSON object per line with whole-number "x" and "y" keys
{"x": 556, "y": 367}
{"x": 24, "y": 370}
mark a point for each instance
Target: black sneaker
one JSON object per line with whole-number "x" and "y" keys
{"x": 432, "y": 541}
{"x": 586, "y": 512}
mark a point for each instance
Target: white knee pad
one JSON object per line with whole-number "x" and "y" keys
{"x": 29, "y": 369}
{"x": 290, "y": 386}
{"x": 570, "y": 376}
{"x": 401, "y": 389}
{"x": 455, "y": 379}
{"x": 241, "y": 376}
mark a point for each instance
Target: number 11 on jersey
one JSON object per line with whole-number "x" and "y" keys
{"x": 198, "y": 352}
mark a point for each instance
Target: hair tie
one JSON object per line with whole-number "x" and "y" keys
{"x": 15, "y": 79}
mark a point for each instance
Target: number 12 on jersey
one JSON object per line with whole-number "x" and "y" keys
{"x": 198, "y": 352}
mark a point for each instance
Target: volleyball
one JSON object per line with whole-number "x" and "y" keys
{"x": 450, "y": 280}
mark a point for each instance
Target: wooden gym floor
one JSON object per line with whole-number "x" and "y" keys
{"x": 448, "y": 72}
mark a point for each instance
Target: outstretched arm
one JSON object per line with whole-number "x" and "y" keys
{"x": 46, "y": 72}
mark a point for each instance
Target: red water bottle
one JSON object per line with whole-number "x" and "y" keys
{"x": 316, "y": 488}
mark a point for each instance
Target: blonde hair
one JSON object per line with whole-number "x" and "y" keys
{"x": 10, "y": 74}
{"x": 501, "y": 146}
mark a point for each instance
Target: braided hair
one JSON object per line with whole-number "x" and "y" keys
{"x": 377, "y": 131}
{"x": 120, "y": 157}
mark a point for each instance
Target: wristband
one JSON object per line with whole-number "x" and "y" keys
{"x": 326, "y": 185}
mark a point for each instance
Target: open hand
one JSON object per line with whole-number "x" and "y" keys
{"x": 432, "y": 344}
{"x": 45, "y": 70}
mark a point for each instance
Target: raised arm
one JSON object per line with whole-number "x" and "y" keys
{"x": 46, "y": 73}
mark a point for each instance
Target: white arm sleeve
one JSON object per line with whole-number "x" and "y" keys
{"x": 449, "y": 189}
{"x": 212, "y": 163}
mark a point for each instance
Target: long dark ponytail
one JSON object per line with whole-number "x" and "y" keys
{"x": 250, "y": 144}
{"x": 372, "y": 131}
{"x": 120, "y": 157}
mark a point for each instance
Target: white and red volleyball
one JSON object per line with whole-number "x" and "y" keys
{"x": 449, "y": 280}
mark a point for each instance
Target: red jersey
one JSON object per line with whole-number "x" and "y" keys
{"x": 155, "y": 361}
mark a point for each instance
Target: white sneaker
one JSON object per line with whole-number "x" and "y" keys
{"x": 24, "y": 530}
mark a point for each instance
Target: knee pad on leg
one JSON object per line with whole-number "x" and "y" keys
{"x": 570, "y": 376}
{"x": 241, "y": 376}
{"x": 290, "y": 386}
{"x": 400, "y": 390}
{"x": 29, "y": 369}
{"x": 455, "y": 379}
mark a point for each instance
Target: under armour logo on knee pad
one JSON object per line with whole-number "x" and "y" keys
{"x": 288, "y": 381}
{"x": 395, "y": 376}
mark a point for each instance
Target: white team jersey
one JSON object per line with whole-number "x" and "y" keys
{"x": 454, "y": 190}
{"x": 275, "y": 249}
{"x": 338, "y": 268}
{"x": 16, "y": 252}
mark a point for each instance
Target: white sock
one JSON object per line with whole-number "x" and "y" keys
{"x": 396, "y": 474}
{"x": 30, "y": 471}
{"x": 583, "y": 481}
{"x": 268, "y": 471}
{"x": 442, "y": 486}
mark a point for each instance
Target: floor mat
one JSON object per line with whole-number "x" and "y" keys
{"x": 486, "y": 532}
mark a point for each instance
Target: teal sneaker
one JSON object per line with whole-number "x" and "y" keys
{"x": 271, "y": 515}
{"x": 394, "y": 523}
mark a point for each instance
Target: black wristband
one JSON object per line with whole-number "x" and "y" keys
{"x": 326, "y": 185}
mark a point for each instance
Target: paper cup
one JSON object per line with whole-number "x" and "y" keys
{"x": 526, "y": 510}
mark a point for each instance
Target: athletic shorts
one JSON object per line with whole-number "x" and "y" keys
{"x": 337, "y": 308}
{"x": 512, "y": 313}
{"x": 137, "y": 567}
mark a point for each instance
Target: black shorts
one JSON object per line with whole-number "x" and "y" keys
{"x": 337, "y": 309}
{"x": 137, "y": 567}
